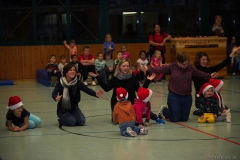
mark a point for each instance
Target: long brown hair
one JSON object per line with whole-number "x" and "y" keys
{"x": 198, "y": 56}
{"x": 118, "y": 67}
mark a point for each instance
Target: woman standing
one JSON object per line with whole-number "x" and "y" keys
{"x": 67, "y": 94}
{"x": 157, "y": 41}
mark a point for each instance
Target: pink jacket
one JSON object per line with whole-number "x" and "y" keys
{"x": 141, "y": 109}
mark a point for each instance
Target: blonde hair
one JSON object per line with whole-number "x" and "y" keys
{"x": 118, "y": 67}
{"x": 157, "y": 51}
{"x": 108, "y": 34}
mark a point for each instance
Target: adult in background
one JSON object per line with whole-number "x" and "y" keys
{"x": 67, "y": 94}
{"x": 201, "y": 63}
{"x": 157, "y": 41}
{"x": 180, "y": 87}
{"x": 217, "y": 28}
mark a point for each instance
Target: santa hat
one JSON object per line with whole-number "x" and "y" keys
{"x": 204, "y": 88}
{"x": 121, "y": 94}
{"x": 144, "y": 94}
{"x": 14, "y": 102}
{"x": 216, "y": 83}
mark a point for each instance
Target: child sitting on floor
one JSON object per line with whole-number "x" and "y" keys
{"x": 124, "y": 115}
{"x": 226, "y": 115}
{"x": 208, "y": 105}
{"x": 19, "y": 116}
{"x": 142, "y": 107}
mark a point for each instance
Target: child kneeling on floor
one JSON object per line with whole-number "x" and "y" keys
{"x": 124, "y": 115}
{"x": 19, "y": 116}
{"x": 208, "y": 105}
{"x": 142, "y": 107}
{"x": 225, "y": 115}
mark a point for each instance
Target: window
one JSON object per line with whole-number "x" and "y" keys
{"x": 51, "y": 20}
{"x": 185, "y": 18}
{"x": 123, "y": 19}
{"x": 156, "y": 12}
{"x": 17, "y": 23}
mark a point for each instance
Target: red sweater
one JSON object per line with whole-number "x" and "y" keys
{"x": 141, "y": 109}
{"x": 180, "y": 81}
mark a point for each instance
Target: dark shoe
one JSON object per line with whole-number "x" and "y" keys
{"x": 160, "y": 113}
{"x": 195, "y": 113}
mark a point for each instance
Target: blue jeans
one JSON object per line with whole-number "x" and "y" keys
{"x": 51, "y": 73}
{"x": 103, "y": 74}
{"x": 74, "y": 117}
{"x": 123, "y": 127}
{"x": 179, "y": 107}
{"x": 33, "y": 121}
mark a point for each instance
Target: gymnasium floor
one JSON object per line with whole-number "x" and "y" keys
{"x": 99, "y": 139}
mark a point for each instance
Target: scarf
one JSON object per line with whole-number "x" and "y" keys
{"x": 66, "y": 103}
{"x": 122, "y": 76}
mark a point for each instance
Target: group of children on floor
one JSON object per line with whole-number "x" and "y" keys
{"x": 130, "y": 116}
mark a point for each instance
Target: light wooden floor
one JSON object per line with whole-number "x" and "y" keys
{"x": 99, "y": 139}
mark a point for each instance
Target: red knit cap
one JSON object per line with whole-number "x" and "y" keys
{"x": 14, "y": 102}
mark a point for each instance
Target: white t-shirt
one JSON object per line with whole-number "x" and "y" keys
{"x": 142, "y": 63}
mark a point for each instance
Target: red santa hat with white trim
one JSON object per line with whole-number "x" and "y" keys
{"x": 144, "y": 94}
{"x": 121, "y": 94}
{"x": 217, "y": 84}
{"x": 14, "y": 102}
{"x": 204, "y": 88}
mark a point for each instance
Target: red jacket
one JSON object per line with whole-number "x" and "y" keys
{"x": 141, "y": 109}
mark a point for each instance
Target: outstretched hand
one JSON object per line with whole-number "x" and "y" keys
{"x": 151, "y": 77}
{"x": 92, "y": 74}
{"x": 214, "y": 75}
{"x": 234, "y": 51}
{"x": 99, "y": 93}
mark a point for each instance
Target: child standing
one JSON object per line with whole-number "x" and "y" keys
{"x": 78, "y": 65}
{"x": 142, "y": 62}
{"x": 124, "y": 115}
{"x": 19, "y": 116}
{"x": 109, "y": 63}
{"x": 218, "y": 84}
{"x": 52, "y": 69}
{"x": 208, "y": 105}
{"x": 126, "y": 55}
{"x": 156, "y": 61}
{"x": 119, "y": 58}
{"x": 71, "y": 47}
{"x": 100, "y": 67}
{"x": 108, "y": 45}
{"x": 142, "y": 107}
{"x": 63, "y": 59}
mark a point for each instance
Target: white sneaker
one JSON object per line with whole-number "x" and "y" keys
{"x": 143, "y": 131}
{"x": 93, "y": 83}
{"x": 234, "y": 74}
{"x": 160, "y": 113}
{"x": 85, "y": 83}
{"x": 131, "y": 132}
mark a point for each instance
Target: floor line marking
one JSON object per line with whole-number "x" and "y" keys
{"x": 209, "y": 134}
